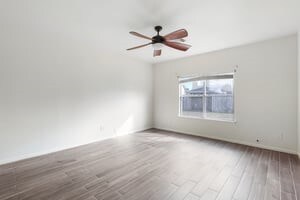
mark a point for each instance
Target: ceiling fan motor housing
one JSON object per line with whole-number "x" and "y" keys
{"x": 158, "y": 39}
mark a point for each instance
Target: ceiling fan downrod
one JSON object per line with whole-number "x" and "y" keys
{"x": 158, "y": 29}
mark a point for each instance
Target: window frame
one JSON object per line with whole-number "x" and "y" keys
{"x": 204, "y": 96}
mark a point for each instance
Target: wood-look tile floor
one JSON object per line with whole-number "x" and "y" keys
{"x": 154, "y": 165}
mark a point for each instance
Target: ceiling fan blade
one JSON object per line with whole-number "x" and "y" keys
{"x": 156, "y": 52}
{"x": 139, "y": 46}
{"x": 177, "y": 45}
{"x": 181, "y": 33}
{"x": 140, "y": 35}
{"x": 177, "y": 40}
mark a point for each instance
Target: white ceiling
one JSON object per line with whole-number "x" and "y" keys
{"x": 212, "y": 24}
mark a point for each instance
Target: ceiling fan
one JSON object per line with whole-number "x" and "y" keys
{"x": 170, "y": 40}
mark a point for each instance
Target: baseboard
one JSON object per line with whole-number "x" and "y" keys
{"x": 32, "y": 155}
{"x": 232, "y": 141}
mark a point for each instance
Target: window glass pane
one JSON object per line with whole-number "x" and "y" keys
{"x": 219, "y": 104}
{"x": 192, "y": 88}
{"x": 219, "y": 86}
{"x": 192, "y": 96}
{"x": 191, "y": 104}
{"x": 219, "y": 96}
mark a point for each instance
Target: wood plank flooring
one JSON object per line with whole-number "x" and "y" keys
{"x": 154, "y": 165}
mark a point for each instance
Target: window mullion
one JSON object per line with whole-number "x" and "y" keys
{"x": 204, "y": 98}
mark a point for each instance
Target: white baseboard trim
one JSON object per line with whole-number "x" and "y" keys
{"x": 32, "y": 155}
{"x": 232, "y": 141}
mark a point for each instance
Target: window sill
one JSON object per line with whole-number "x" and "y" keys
{"x": 207, "y": 118}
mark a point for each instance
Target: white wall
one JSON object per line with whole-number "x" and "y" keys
{"x": 57, "y": 92}
{"x": 266, "y": 94}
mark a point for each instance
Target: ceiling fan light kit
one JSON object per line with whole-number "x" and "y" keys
{"x": 158, "y": 41}
{"x": 157, "y": 46}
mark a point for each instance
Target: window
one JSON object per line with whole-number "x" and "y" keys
{"x": 209, "y": 97}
